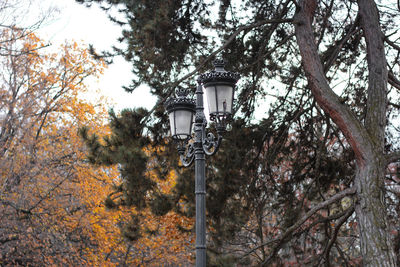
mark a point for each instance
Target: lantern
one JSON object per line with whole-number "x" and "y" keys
{"x": 181, "y": 112}
{"x": 219, "y": 87}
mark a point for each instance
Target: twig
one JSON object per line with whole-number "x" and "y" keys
{"x": 394, "y": 156}
{"x": 335, "y": 233}
{"x": 393, "y": 81}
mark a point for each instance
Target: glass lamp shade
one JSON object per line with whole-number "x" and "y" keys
{"x": 181, "y": 121}
{"x": 181, "y": 112}
{"x": 219, "y": 98}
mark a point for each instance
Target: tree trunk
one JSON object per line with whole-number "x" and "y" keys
{"x": 367, "y": 141}
{"x": 376, "y": 246}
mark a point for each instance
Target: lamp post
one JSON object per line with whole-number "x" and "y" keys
{"x": 219, "y": 88}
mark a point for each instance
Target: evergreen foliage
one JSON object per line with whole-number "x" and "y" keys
{"x": 125, "y": 146}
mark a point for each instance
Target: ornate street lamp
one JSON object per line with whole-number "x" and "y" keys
{"x": 219, "y": 87}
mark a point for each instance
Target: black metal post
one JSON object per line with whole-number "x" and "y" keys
{"x": 204, "y": 144}
{"x": 200, "y": 180}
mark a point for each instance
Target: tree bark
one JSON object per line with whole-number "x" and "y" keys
{"x": 376, "y": 245}
{"x": 367, "y": 141}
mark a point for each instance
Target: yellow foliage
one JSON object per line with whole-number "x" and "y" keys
{"x": 51, "y": 198}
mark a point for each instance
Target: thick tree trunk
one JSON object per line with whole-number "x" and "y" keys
{"x": 376, "y": 246}
{"x": 366, "y": 140}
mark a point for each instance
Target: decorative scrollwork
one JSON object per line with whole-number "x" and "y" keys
{"x": 186, "y": 152}
{"x": 219, "y": 74}
{"x": 179, "y": 101}
{"x": 221, "y": 121}
{"x": 211, "y": 143}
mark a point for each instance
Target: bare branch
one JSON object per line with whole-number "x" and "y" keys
{"x": 392, "y": 44}
{"x": 281, "y": 239}
{"x": 323, "y": 219}
{"x": 290, "y": 230}
{"x": 394, "y": 105}
{"x": 392, "y": 157}
{"x": 336, "y": 231}
{"x": 8, "y": 239}
{"x": 393, "y": 81}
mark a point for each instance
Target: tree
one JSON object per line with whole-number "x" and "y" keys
{"x": 367, "y": 137}
{"x": 44, "y": 198}
{"x": 42, "y": 157}
{"x": 333, "y": 68}
{"x": 14, "y": 14}
{"x": 52, "y": 201}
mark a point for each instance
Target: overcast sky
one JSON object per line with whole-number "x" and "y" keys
{"x": 74, "y": 21}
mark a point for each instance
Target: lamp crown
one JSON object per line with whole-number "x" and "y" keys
{"x": 181, "y": 92}
{"x": 219, "y": 64}
{"x": 181, "y": 101}
{"x": 219, "y": 74}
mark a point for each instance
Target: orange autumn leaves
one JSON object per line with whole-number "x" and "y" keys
{"x": 51, "y": 199}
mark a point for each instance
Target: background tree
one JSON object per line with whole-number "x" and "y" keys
{"x": 310, "y": 181}
{"x": 52, "y": 201}
{"x": 41, "y": 155}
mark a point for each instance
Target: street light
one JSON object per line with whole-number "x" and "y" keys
{"x": 219, "y": 87}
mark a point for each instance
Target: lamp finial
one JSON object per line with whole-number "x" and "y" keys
{"x": 181, "y": 92}
{"x": 219, "y": 64}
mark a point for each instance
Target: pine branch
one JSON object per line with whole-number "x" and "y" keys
{"x": 330, "y": 59}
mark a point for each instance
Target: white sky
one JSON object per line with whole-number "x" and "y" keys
{"x": 91, "y": 26}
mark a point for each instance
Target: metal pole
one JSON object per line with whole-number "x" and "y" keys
{"x": 200, "y": 180}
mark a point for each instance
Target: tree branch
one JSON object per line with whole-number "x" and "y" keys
{"x": 294, "y": 227}
{"x": 290, "y": 230}
{"x": 392, "y": 44}
{"x": 323, "y": 219}
{"x": 8, "y": 239}
{"x": 393, "y": 81}
{"x": 330, "y": 59}
{"x": 332, "y": 241}
{"x": 392, "y": 157}
{"x": 394, "y": 105}
{"x": 347, "y": 122}
{"x": 377, "y": 73}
